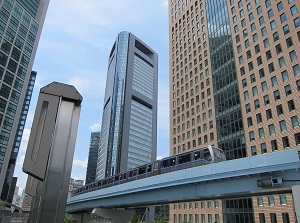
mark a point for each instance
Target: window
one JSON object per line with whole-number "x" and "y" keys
{"x": 246, "y": 95}
{"x": 286, "y": 29}
{"x": 249, "y": 121}
{"x": 291, "y": 105}
{"x": 276, "y": 95}
{"x": 271, "y": 67}
{"x": 261, "y": 73}
{"x": 282, "y": 17}
{"x": 282, "y": 199}
{"x": 285, "y": 218}
{"x": 261, "y": 20}
{"x": 266, "y": 99}
{"x": 251, "y": 16}
{"x": 263, "y": 31}
{"x": 271, "y": 129}
{"x": 288, "y": 90}
{"x": 295, "y": 122}
{"x": 289, "y": 42}
{"x": 273, "y": 217}
{"x": 270, "y": 13}
{"x": 281, "y": 62}
{"x": 262, "y": 218}
{"x": 258, "y": 118}
{"x": 293, "y": 55}
{"x": 297, "y": 22}
{"x": 254, "y": 91}
{"x": 294, "y": 10}
{"x": 279, "y": 6}
{"x": 260, "y": 201}
{"x": 259, "y": 10}
{"x": 271, "y": 200}
{"x": 269, "y": 114}
{"x": 256, "y": 104}
{"x": 251, "y": 136}
{"x": 296, "y": 69}
{"x": 297, "y": 138}
{"x": 268, "y": 55}
{"x": 284, "y": 75}
{"x": 274, "y": 81}
{"x": 261, "y": 133}
{"x": 279, "y": 110}
{"x": 252, "y": 78}
{"x": 247, "y": 108}
{"x": 273, "y": 24}
{"x": 274, "y": 145}
{"x": 275, "y": 36}
{"x": 285, "y": 142}
{"x": 253, "y": 150}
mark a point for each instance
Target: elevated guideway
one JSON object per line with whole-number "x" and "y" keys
{"x": 228, "y": 179}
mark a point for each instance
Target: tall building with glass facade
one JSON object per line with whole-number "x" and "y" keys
{"x": 129, "y": 122}
{"x": 234, "y": 83}
{"x": 93, "y": 157}
{"x": 21, "y": 23}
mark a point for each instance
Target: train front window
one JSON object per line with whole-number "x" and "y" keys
{"x": 207, "y": 155}
{"x": 149, "y": 168}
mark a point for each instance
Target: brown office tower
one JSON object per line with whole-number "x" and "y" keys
{"x": 234, "y": 83}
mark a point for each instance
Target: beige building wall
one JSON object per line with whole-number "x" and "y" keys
{"x": 267, "y": 59}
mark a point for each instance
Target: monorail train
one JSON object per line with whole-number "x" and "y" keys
{"x": 189, "y": 159}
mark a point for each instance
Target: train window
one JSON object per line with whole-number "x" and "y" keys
{"x": 165, "y": 163}
{"x": 130, "y": 173}
{"x": 149, "y": 168}
{"x": 173, "y": 161}
{"x": 184, "y": 158}
{"x": 197, "y": 155}
{"x": 135, "y": 172}
{"x": 142, "y": 170}
{"x": 207, "y": 155}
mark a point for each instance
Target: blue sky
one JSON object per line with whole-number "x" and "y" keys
{"x": 74, "y": 48}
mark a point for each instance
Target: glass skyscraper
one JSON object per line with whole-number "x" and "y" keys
{"x": 21, "y": 23}
{"x": 129, "y": 122}
{"x": 93, "y": 156}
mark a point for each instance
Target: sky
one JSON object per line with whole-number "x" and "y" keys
{"x": 74, "y": 48}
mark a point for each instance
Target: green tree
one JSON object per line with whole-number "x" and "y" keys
{"x": 68, "y": 218}
{"x": 133, "y": 219}
{"x": 159, "y": 218}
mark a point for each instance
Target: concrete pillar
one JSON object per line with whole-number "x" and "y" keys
{"x": 296, "y": 198}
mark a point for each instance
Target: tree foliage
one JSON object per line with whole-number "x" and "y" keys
{"x": 68, "y": 218}
{"x": 159, "y": 218}
{"x": 133, "y": 219}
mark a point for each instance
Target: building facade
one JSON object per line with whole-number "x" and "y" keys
{"x": 234, "y": 83}
{"x": 21, "y": 23}
{"x": 93, "y": 157}
{"x": 129, "y": 122}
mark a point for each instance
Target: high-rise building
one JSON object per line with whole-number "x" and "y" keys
{"x": 9, "y": 183}
{"x": 21, "y": 23}
{"x": 129, "y": 122}
{"x": 234, "y": 83}
{"x": 93, "y": 157}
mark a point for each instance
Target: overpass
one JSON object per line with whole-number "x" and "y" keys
{"x": 228, "y": 179}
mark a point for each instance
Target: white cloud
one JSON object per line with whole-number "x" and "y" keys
{"x": 80, "y": 163}
{"x": 95, "y": 127}
{"x": 159, "y": 158}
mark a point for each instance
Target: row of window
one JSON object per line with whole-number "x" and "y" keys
{"x": 195, "y": 205}
{"x": 209, "y": 218}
